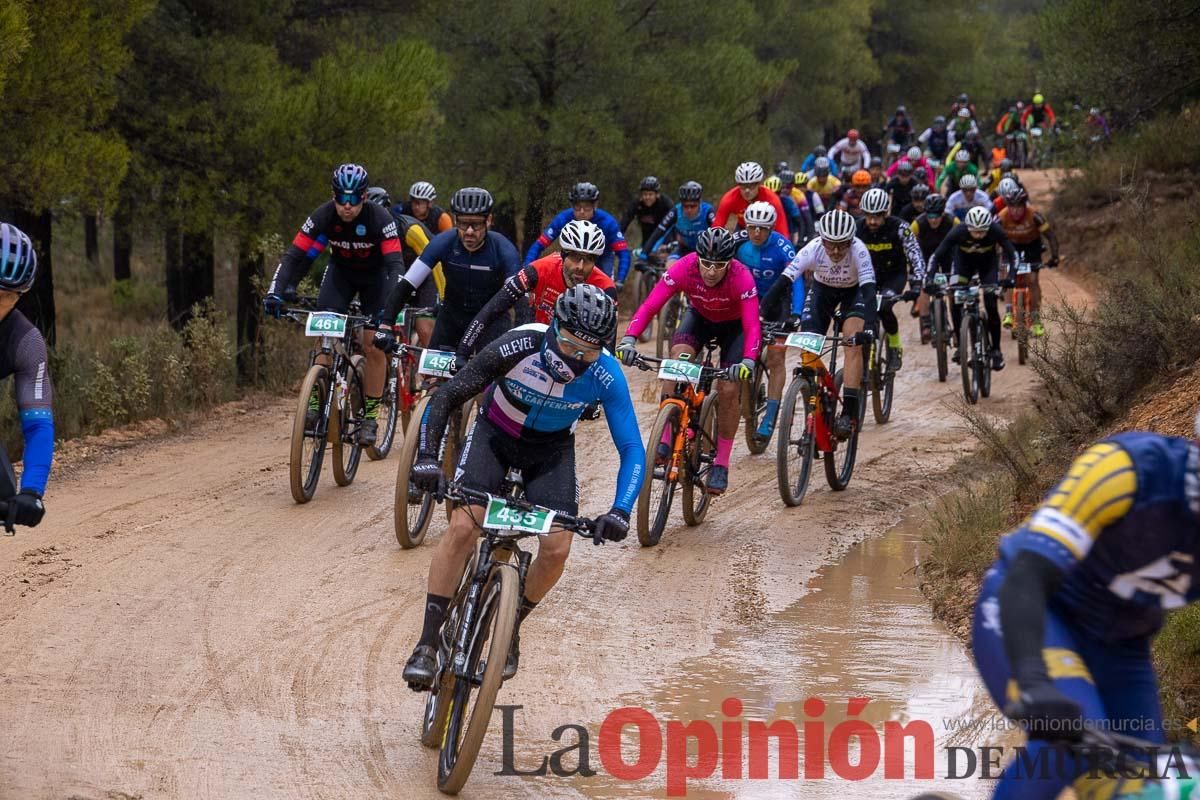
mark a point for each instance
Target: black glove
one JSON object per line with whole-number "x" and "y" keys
{"x": 1007, "y": 283}
{"x": 1047, "y": 713}
{"x": 427, "y": 475}
{"x": 273, "y": 305}
{"x": 26, "y": 508}
{"x": 793, "y": 323}
{"x": 1053, "y": 262}
{"x": 591, "y": 412}
{"x": 613, "y": 526}
{"x": 910, "y": 295}
{"x": 385, "y": 338}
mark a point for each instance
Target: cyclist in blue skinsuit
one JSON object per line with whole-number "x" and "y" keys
{"x": 583, "y": 197}
{"x": 684, "y": 222}
{"x": 1066, "y": 614}
{"x": 538, "y": 380}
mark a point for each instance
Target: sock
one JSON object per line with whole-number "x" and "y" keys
{"x": 724, "y": 449}
{"x": 772, "y": 408}
{"x": 1008, "y": 308}
{"x": 894, "y": 342}
{"x": 525, "y": 609}
{"x": 372, "y": 408}
{"x": 668, "y": 437}
{"x": 850, "y": 403}
{"x": 435, "y": 614}
{"x": 314, "y": 402}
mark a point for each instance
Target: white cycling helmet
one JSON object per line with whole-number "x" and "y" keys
{"x": 968, "y": 182}
{"x": 979, "y": 219}
{"x": 1007, "y": 186}
{"x": 875, "y": 201}
{"x": 760, "y": 213}
{"x": 964, "y": 113}
{"x": 422, "y": 190}
{"x": 836, "y": 226}
{"x": 914, "y": 154}
{"x": 748, "y": 172}
{"x": 582, "y": 236}
{"x": 962, "y": 156}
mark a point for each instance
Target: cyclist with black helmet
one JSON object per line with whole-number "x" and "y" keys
{"x": 23, "y": 355}
{"x": 1026, "y": 227}
{"x": 683, "y": 223}
{"x": 900, "y": 186}
{"x": 722, "y": 308}
{"x": 807, "y": 203}
{"x": 536, "y": 380}
{"x": 420, "y": 206}
{"x": 475, "y": 261}
{"x": 648, "y": 208}
{"x": 930, "y": 227}
{"x": 584, "y": 196}
{"x": 917, "y": 200}
{"x": 899, "y": 128}
{"x": 414, "y": 237}
{"x": 823, "y": 183}
{"x": 896, "y": 257}
{"x": 364, "y": 258}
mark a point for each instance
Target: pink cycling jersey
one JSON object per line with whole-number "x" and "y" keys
{"x": 733, "y": 298}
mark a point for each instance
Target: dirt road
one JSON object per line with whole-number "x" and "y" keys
{"x": 179, "y": 628}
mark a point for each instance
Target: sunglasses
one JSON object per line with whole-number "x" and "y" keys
{"x": 576, "y": 348}
{"x": 691, "y": 205}
{"x": 759, "y": 228}
{"x": 713, "y": 266}
{"x": 586, "y": 258}
{"x": 350, "y": 199}
{"x": 467, "y": 227}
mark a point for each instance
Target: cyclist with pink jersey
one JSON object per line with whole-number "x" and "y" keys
{"x": 723, "y": 308}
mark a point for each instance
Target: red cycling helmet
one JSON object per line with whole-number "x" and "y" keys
{"x": 853, "y": 134}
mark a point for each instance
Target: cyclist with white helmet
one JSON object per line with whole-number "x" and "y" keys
{"x": 962, "y": 124}
{"x": 896, "y": 257}
{"x": 584, "y": 197}
{"x": 953, "y": 172}
{"x": 968, "y": 196}
{"x": 842, "y": 276}
{"x": 420, "y": 206}
{"x": 749, "y": 189}
{"x": 23, "y": 356}
{"x": 683, "y": 224}
{"x": 916, "y": 158}
{"x": 970, "y": 250}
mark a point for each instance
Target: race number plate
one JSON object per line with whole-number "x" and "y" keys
{"x": 808, "y": 342}
{"x": 502, "y": 517}
{"x": 1023, "y": 268}
{"x": 963, "y": 295}
{"x": 400, "y": 316}
{"x": 436, "y": 363}
{"x": 673, "y": 369}
{"x": 325, "y": 323}
{"x": 940, "y": 279}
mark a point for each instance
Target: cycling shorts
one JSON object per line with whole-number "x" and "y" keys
{"x": 339, "y": 285}
{"x": 695, "y": 331}
{"x": 823, "y": 300}
{"x": 548, "y": 468}
{"x": 1031, "y": 254}
{"x": 451, "y": 327}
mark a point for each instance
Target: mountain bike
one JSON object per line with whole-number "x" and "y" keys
{"x": 973, "y": 340}
{"x": 882, "y": 378}
{"x": 810, "y": 405}
{"x": 477, "y": 634}
{"x": 754, "y": 395}
{"x": 940, "y": 323}
{"x": 1022, "y": 294}
{"x": 689, "y": 419}
{"x": 335, "y": 391}
{"x": 8, "y": 490}
{"x": 400, "y": 392}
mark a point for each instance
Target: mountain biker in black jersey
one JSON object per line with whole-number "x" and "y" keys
{"x": 896, "y": 257}
{"x": 420, "y": 206}
{"x": 648, "y": 208}
{"x": 364, "y": 257}
{"x": 414, "y": 237}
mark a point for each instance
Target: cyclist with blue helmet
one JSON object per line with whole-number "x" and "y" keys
{"x": 584, "y": 197}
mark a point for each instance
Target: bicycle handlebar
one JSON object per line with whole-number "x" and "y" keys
{"x": 578, "y": 525}
{"x": 650, "y": 362}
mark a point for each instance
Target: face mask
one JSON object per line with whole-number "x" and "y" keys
{"x": 564, "y": 368}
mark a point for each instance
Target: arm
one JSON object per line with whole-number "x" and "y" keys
{"x": 1048, "y": 235}
{"x": 658, "y": 297}
{"x": 309, "y": 243}
{"x": 781, "y": 226}
{"x": 1031, "y": 581}
{"x": 34, "y": 402}
{"x": 725, "y": 209}
{"x": 513, "y": 289}
{"x": 912, "y": 253}
{"x": 622, "y": 424}
{"x": 660, "y": 232}
{"x": 751, "y": 326}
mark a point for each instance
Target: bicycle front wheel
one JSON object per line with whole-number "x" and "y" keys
{"x": 308, "y": 445}
{"x": 795, "y": 447}
{"x": 941, "y": 337}
{"x": 471, "y": 708}
{"x": 347, "y": 451}
{"x": 700, "y": 455}
{"x": 967, "y": 358}
{"x": 658, "y": 489}
{"x": 754, "y": 407}
{"x": 984, "y": 362}
{"x": 389, "y": 412}
{"x": 882, "y": 382}
{"x": 411, "y": 509}
{"x": 839, "y": 463}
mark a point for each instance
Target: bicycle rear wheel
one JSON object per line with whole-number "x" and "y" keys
{"x": 754, "y": 407}
{"x": 941, "y": 337}
{"x": 658, "y": 491}
{"x": 984, "y": 365}
{"x": 795, "y": 447}
{"x": 308, "y": 447}
{"x": 1021, "y": 326}
{"x": 389, "y": 412}
{"x": 347, "y": 452}
{"x": 411, "y": 509}
{"x": 700, "y": 455}
{"x": 967, "y": 358}
{"x": 497, "y": 618}
{"x": 882, "y": 382}
{"x": 839, "y": 463}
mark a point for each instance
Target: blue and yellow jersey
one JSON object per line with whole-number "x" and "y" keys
{"x": 1124, "y": 527}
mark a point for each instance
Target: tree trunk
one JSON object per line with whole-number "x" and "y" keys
{"x": 189, "y": 272}
{"x": 249, "y": 319}
{"x": 38, "y": 302}
{"x": 122, "y": 242}
{"x": 535, "y": 193}
{"x": 91, "y": 240}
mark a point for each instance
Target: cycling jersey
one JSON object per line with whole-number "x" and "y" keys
{"x": 414, "y": 237}
{"x": 936, "y": 142}
{"x": 825, "y": 189}
{"x": 614, "y": 241}
{"x": 687, "y": 229}
{"x": 733, "y": 298}
{"x": 648, "y": 217}
{"x": 929, "y": 237}
{"x": 369, "y": 242}
{"x": 854, "y": 269}
{"x": 524, "y": 401}
{"x": 1026, "y": 230}
{"x": 811, "y": 159}
{"x": 541, "y": 282}
{"x": 851, "y": 156}
{"x": 893, "y": 248}
{"x": 733, "y": 204}
{"x": 1034, "y": 117}
{"x": 958, "y": 204}
{"x": 951, "y": 175}
{"x": 973, "y": 255}
{"x": 766, "y": 263}
{"x": 900, "y": 192}
{"x": 23, "y": 355}
{"x": 899, "y": 129}
{"x": 437, "y": 218}
{"x": 910, "y": 212}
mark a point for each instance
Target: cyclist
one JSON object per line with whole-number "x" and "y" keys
{"x": 683, "y": 223}
{"x": 1009, "y": 122}
{"x": 1038, "y": 114}
{"x": 850, "y": 153}
{"x": 803, "y": 197}
{"x": 875, "y": 170}
{"x": 930, "y": 228}
{"x": 1097, "y": 124}
{"x": 849, "y": 196}
{"x": 1026, "y": 227}
{"x": 364, "y": 258}
{"x": 648, "y": 208}
{"x": 749, "y": 189}
{"x": 1003, "y": 188}
{"x": 962, "y": 123}
{"x": 895, "y": 256}
{"x": 798, "y": 217}
{"x": 420, "y": 206}
{"x": 476, "y": 262}
{"x": 972, "y": 249}
{"x": 820, "y": 151}
{"x": 936, "y": 139}
{"x": 953, "y": 172}
{"x": 901, "y": 186}
{"x": 916, "y": 203}
{"x": 766, "y": 254}
{"x": 822, "y": 183}
{"x": 963, "y": 102}
{"x": 979, "y": 154}
{"x": 536, "y": 381}
{"x": 722, "y": 307}
{"x": 899, "y": 128}
{"x": 414, "y": 237}
{"x": 1067, "y": 613}
{"x": 967, "y": 197}
{"x": 914, "y": 157}
{"x": 583, "y": 197}
{"x": 580, "y": 244}
{"x": 24, "y": 357}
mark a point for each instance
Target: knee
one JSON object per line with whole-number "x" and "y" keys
{"x": 553, "y": 550}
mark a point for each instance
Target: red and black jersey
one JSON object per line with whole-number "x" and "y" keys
{"x": 370, "y": 241}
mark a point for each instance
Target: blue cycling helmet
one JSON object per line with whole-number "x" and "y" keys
{"x": 349, "y": 179}
{"x": 18, "y": 259}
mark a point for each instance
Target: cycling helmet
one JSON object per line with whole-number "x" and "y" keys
{"x": 836, "y": 226}
{"x": 905, "y": 167}
{"x": 379, "y": 196}
{"x": 18, "y": 259}
{"x": 1006, "y": 187}
{"x": 852, "y": 134}
{"x": 471, "y": 200}
{"x": 349, "y": 179}
{"x": 690, "y": 191}
{"x": 1005, "y": 165}
{"x": 748, "y": 172}
{"x": 968, "y": 181}
{"x": 422, "y": 190}
{"x": 962, "y": 98}
{"x": 821, "y": 167}
{"x": 901, "y": 110}
{"x": 583, "y": 192}
{"x": 582, "y": 236}
{"x": 820, "y": 151}
{"x": 1018, "y": 198}
{"x": 875, "y": 201}
{"x": 964, "y": 113}
{"x": 979, "y": 219}
{"x": 1094, "y": 111}
{"x": 935, "y": 204}
{"x": 939, "y": 120}
{"x": 962, "y": 156}
{"x": 919, "y": 191}
{"x": 587, "y": 312}
{"x": 861, "y": 178}
{"x": 787, "y": 176}
{"x": 780, "y": 167}
{"x": 650, "y": 184}
{"x": 773, "y": 183}
{"x": 715, "y": 244}
{"x": 1038, "y": 99}
{"x": 760, "y": 213}
{"x": 876, "y": 161}
{"x": 914, "y": 154}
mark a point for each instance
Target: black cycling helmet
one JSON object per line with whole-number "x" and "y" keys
{"x": 935, "y": 204}
{"x": 919, "y": 191}
{"x": 690, "y": 191}
{"x": 587, "y": 312}
{"x": 715, "y": 244}
{"x": 583, "y": 192}
{"x": 471, "y": 200}
{"x": 349, "y": 179}
{"x": 379, "y": 196}
{"x": 650, "y": 184}
{"x": 786, "y": 176}
{"x": 1005, "y": 165}
{"x": 820, "y": 151}
{"x": 876, "y": 161}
